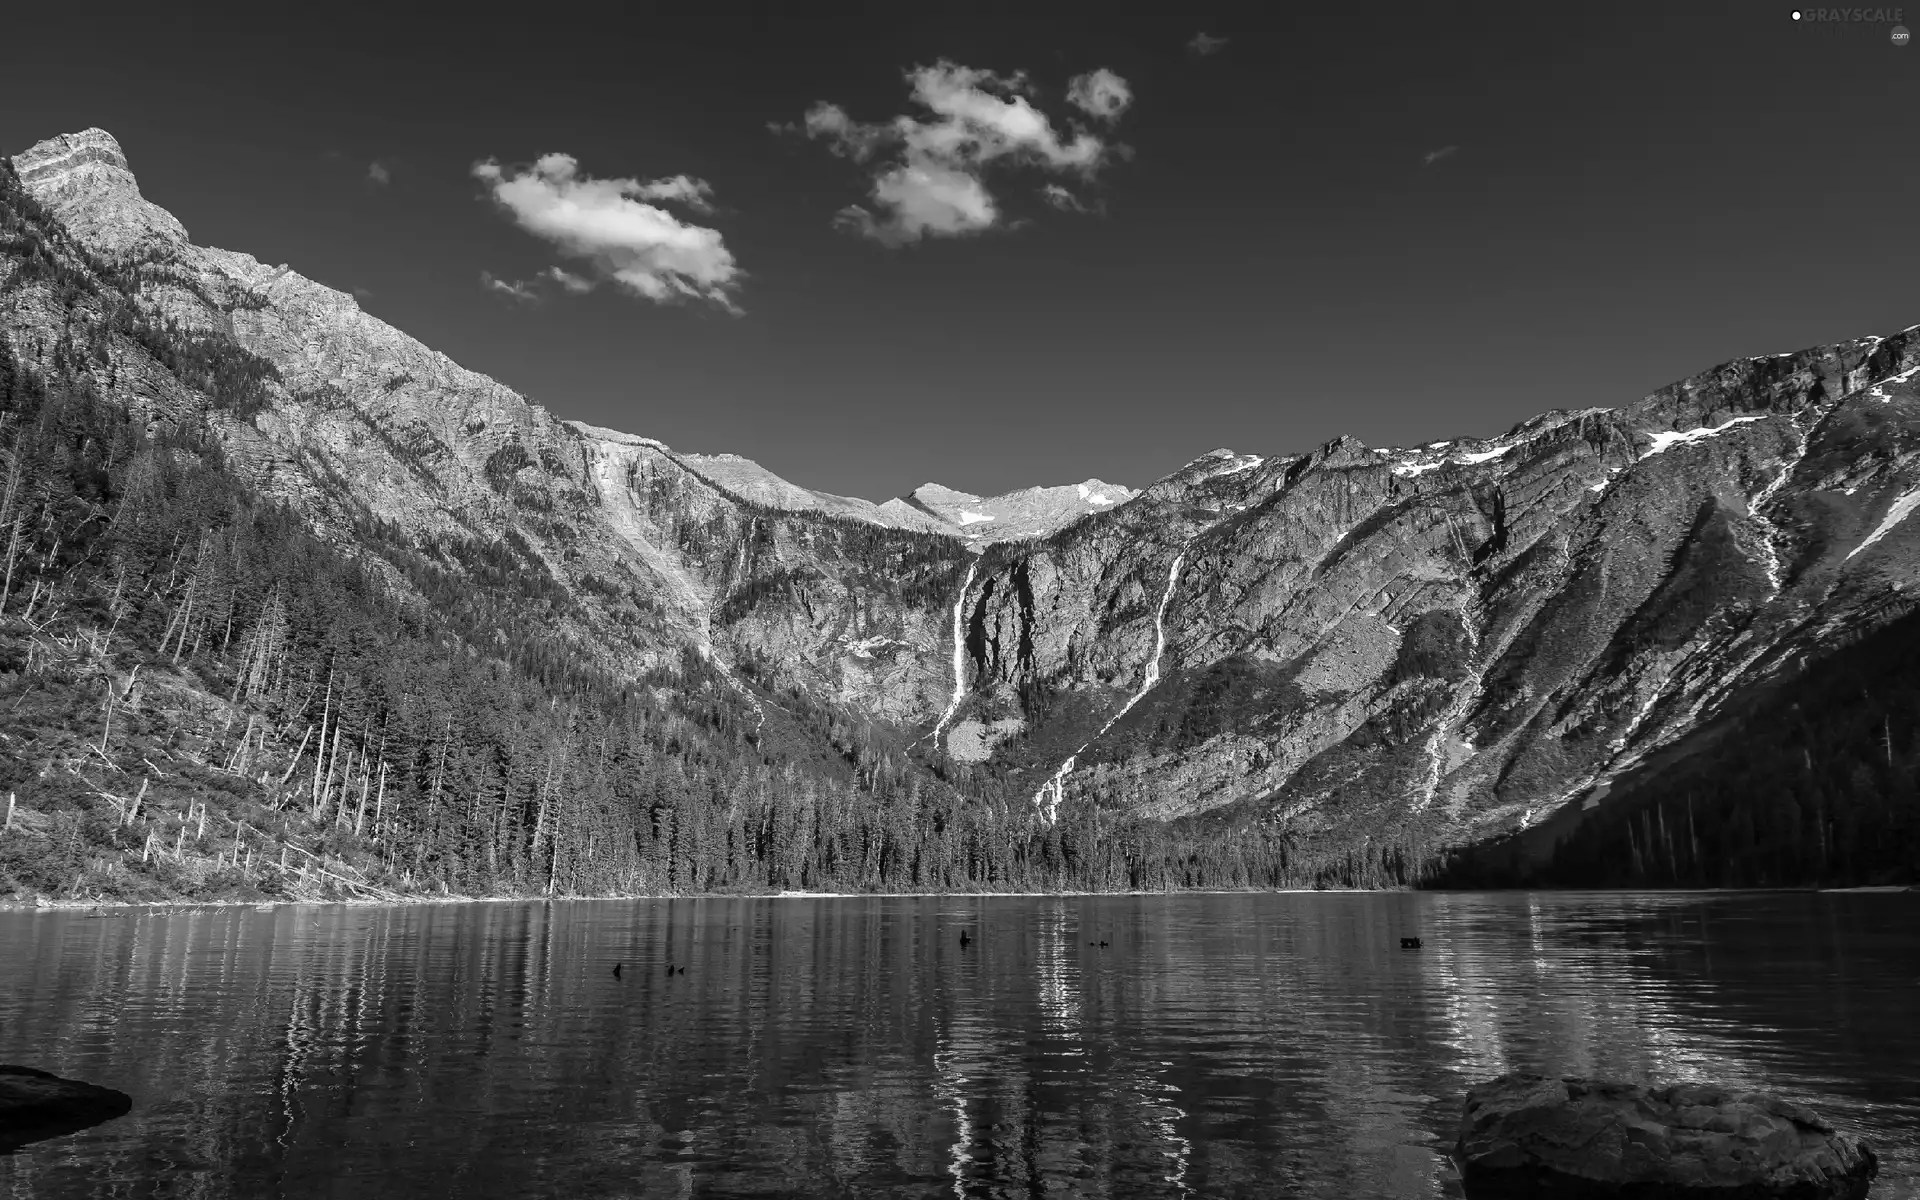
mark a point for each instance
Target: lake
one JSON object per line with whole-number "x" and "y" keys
{"x": 1216, "y": 1045}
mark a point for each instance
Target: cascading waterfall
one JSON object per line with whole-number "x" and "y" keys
{"x": 1757, "y": 507}
{"x": 1457, "y": 709}
{"x": 959, "y": 654}
{"x": 1054, "y": 790}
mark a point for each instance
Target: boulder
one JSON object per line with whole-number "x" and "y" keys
{"x": 1530, "y": 1135}
{"x": 35, "y": 1105}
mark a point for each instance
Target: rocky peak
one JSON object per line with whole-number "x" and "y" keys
{"x": 68, "y": 151}
{"x": 86, "y": 178}
{"x": 1438, "y": 640}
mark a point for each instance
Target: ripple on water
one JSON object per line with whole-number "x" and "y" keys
{"x": 1218, "y": 1045}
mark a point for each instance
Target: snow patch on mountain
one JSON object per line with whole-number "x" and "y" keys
{"x": 1665, "y": 441}
{"x": 1879, "y": 390}
{"x": 1029, "y": 513}
{"x": 1901, "y": 509}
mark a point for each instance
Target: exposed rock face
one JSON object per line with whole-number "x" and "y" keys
{"x": 1468, "y": 635}
{"x": 35, "y": 1106}
{"x": 655, "y": 551}
{"x": 1526, "y": 1135}
{"x": 1427, "y": 644}
{"x": 85, "y": 177}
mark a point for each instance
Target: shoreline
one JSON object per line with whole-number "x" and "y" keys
{"x": 11, "y": 906}
{"x": 118, "y": 907}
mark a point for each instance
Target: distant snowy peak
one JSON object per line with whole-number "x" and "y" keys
{"x": 1029, "y": 513}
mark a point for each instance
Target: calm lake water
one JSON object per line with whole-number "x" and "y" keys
{"x": 1219, "y": 1045}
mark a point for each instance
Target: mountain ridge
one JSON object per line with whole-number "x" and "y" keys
{"x": 1432, "y": 644}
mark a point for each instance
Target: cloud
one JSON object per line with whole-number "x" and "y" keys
{"x": 537, "y": 289}
{"x": 524, "y": 292}
{"x": 1100, "y": 94}
{"x": 1204, "y": 44}
{"x": 1064, "y": 200}
{"x": 1433, "y": 156}
{"x": 379, "y": 174}
{"x": 923, "y": 198}
{"x": 576, "y": 284}
{"x": 694, "y": 193}
{"x": 608, "y": 224}
{"x": 929, "y": 174}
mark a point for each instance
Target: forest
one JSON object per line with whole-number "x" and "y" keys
{"x": 204, "y": 699}
{"x": 201, "y": 698}
{"x": 1813, "y": 785}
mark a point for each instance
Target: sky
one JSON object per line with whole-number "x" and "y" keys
{"x": 996, "y": 246}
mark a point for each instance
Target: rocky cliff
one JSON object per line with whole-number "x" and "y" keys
{"x": 1465, "y": 635}
{"x": 1355, "y": 642}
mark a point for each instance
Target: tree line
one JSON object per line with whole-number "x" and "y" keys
{"x": 209, "y": 695}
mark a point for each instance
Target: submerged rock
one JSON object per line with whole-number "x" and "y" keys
{"x": 35, "y": 1105}
{"x": 1528, "y": 1135}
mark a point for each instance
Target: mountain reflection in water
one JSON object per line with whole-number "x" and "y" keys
{"x": 1218, "y": 1045}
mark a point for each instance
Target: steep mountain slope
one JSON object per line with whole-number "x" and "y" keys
{"x": 1815, "y": 781}
{"x": 209, "y": 690}
{"x": 1354, "y": 647}
{"x": 363, "y": 421}
{"x": 1463, "y": 636}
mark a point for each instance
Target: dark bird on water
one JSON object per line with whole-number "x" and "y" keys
{"x": 964, "y": 939}
{"x": 669, "y": 968}
{"x": 1409, "y": 943}
{"x": 616, "y": 969}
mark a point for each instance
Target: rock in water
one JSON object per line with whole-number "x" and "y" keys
{"x": 35, "y": 1106}
{"x": 1528, "y": 1135}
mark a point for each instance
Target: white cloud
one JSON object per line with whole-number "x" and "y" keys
{"x": 694, "y": 193}
{"x": 1100, "y": 94}
{"x": 519, "y": 291}
{"x": 1061, "y": 198}
{"x": 607, "y": 224}
{"x": 568, "y": 280}
{"x": 1204, "y": 44}
{"x": 930, "y": 177}
{"x": 534, "y": 290}
{"x": 923, "y": 198}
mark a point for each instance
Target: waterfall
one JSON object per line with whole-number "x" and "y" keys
{"x": 959, "y": 654}
{"x": 1054, "y": 790}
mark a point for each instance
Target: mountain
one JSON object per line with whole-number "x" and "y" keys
{"x": 1815, "y": 783}
{"x": 1017, "y": 516}
{"x": 349, "y": 621}
{"x": 1354, "y": 655}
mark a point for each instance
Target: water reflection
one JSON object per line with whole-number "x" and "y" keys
{"x": 1215, "y": 1046}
